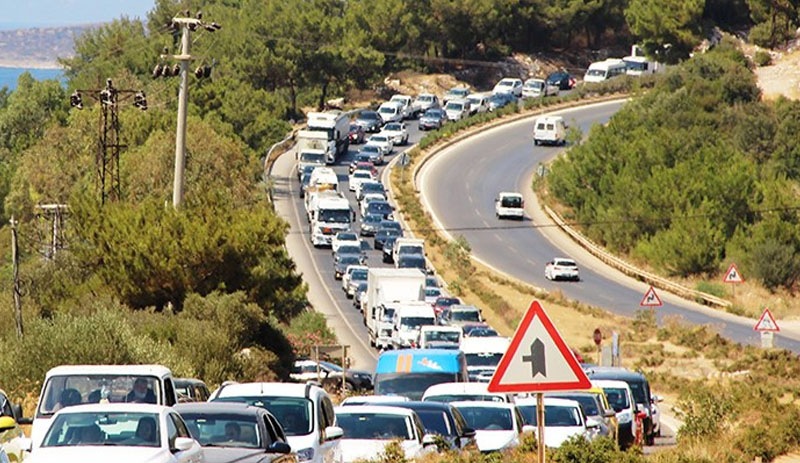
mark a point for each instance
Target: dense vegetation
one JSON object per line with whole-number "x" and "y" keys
{"x": 693, "y": 174}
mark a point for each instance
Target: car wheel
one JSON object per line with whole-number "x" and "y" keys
{"x": 535, "y": 142}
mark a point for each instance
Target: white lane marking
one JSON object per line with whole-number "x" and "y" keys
{"x": 307, "y": 244}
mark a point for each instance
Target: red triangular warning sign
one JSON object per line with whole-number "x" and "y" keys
{"x": 733, "y": 275}
{"x": 651, "y": 299}
{"x": 538, "y": 359}
{"x": 766, "y": 322}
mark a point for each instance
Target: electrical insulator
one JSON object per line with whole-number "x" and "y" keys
{"x": 157, "y": 71}
{"x": 75, "y": 100}
{"x": 206, "y": 71}
{"x": 176, "y": 70}
{"x": 198, "y": 72}
{"x": 106, "y": 97}
{"x": 140, "y": 101}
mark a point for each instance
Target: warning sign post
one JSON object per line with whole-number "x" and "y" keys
{"x": 538, "y": 360}
{"x": 767, "y": 326}
{"x": 734, "y": 277}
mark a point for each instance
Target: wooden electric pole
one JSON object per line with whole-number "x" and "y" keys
{"x": 15, "y": 273}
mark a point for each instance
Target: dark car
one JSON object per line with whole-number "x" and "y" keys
{"x": 304, "y": 184}
{"x": 480, "y": 332}
{"x": 358, "y": 159}
{"x": 443, "y": 419}
{"x": 370, "y": 224}
{"x": 562, "y": 79}
{"x": 433, "y": 118}
{"x": 329, "y": 373}
{"x": 356, "y": 134}
{"x": 388, "y": 252}
{"x": 500, "y": 100}
{"x": 370, "y": 187}
{"x": 442, "y": 302}
{"x": 306, "y": 170}
{"x": 380, "y": 207}
{"x": 370, "y": 120}
{"x": 360, "y": 293}
{"x": 342, "y": 261}
{"x": 191, "y": 390}
{"x": 392, "y": 224}
{"x": 383, "y": 234}
{"x": 233, "y": 432}
{"x": 412, "y": 261}
{"x": 641, "y": 395}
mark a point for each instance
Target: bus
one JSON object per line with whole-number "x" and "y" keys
{"x": 604, "y": 70}
{"x": 409, "y": 372}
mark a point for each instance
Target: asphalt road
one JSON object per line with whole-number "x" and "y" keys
{"x": 459, "y": 186}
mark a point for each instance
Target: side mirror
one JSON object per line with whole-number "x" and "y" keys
{"x": 25, "y": 443}
{"x": 428, "y": 440}
{"x": 640, "y": 408}
{"x": 528, "y": 429}
{"x": 609, "y": 413}
{"x": 468, "y": 432}
{"x": 7, "y": 423}
{"x": 333, "y": 433}
{"x": 182, "y": 444}
{"x": 656, "y": 399}
{"x": 16, "y": 409}
{"x": 279, "y": 447}
{"x": 592, "y": 423}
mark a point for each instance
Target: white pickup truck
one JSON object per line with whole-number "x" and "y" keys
{"x": 408, "y": 318}
{"x": 410, "y": 107}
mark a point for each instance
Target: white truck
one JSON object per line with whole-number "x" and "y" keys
{"x": 331, "y": 215}
{"x": 336, "y": 127}
{"x": 408, "y": 318}
{"x": 310, "y": 150}
{"x": 387, "y": 287}
{"x": 407, "y": 246}
{"x": 410, "y": 107}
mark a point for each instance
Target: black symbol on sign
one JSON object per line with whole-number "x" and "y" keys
{"x": 537, "y": 358}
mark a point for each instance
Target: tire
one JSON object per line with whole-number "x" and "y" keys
{"x": 535, "y": 142}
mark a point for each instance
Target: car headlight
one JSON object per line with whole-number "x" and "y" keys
{"x": 305, "y": 454}
{"x": 624, "y": 417}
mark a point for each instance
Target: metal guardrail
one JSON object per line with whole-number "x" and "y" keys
{"x": 631, "y": 270}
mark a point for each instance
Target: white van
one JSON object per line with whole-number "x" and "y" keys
{"x": 509, "y": 205}
{"x": 478, "y": 103}
{"x": 69, "y": 385}
{"x": 604, "y": 70}
{"x": 550, "y": 130}
{"x": 620, "y": 398}
{"x": 457, "y": 109}
{"x": 440, "y": 337}
{"x": 391, "y": 111}
{"x": 323, "y": 176}
{"x": 483, "y": 355}
{"x": 457, "y": 392}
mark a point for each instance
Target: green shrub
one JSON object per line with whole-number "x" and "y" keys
{"x": 578, "y": 449}
{"x": 762, "y": 58}
{"x": 715, "y": 289}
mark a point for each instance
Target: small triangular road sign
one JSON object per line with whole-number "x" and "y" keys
{"x": 733, "y": 275}
{"x": 651, "y": 299}
{"x": 766, "y": 322}
{"x": 538, "y": 359}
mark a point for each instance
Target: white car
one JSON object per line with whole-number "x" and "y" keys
{"x": 342, "y": 238}
{"x": 498, "y": 425}
{"x": 305, "y": 411}
{"x": 368, "y": 198}
{"x": 432, "y": 293}
{"x": 397, "y": 133}
{"x": 561, "y": 268}
{"x": 360, "y": 272}
{"x": 383, "y": 142}
{"x": 368, "y": 428}
{"x": 509, "y": 85}
{"x": 563, "y": 419}
{"x": 457, "y": 109}
{"x": 391, "y": 111}
{"x": 358, "y": 176}
{"x": 537, "y": 88}
{"x": 478, "y": 103}
{"x": 426, "y": 101}
{"x": 373, "y": 400}
{"x": 620, "y": 398}
{"x": 461, "y": 392}
{"x": 118, "y": 432}
{"x": 509, "y": 205}
{"x": 374, "y": 153}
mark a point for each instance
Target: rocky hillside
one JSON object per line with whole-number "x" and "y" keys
{"x": 38, "y": 47}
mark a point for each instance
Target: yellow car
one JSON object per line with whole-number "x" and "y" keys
{"x": 12, "y": 439}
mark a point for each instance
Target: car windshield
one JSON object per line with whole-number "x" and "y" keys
{"x": 372, "y": 218}
{"x": 596, "y": 73}
{"x": 433, "y": 113}
{"x": 459, "y": 92}
{"x": 411, "y": 249}
{"x": 432, "y": 292}
{"x": 372, "y": 187}
{"x": 317, "y": 158}
{"x": 362, "y": 174}
{"x": 67, "y": 390}
{"x": 348, "y": 259}
{"x": 588, "y": 402}
{"x": 391, "y": 225}
{"x": 411, "y": 262}
{"x": 349, "y": 249}
{"x": 223, "y": 429}
{"x": 487, "y": 418}
{"x": 554, "y": 415}
{"x": 617, "y": 398}
{"x": 293, "y": 413}
{"x": 104, "y": 428}
{"x": 388, "y": 110}
{"x": 369, "y": 149}
{"x": 441, "y": 336}
{"x": 435, "y": 422}
{"x": 453, "y": 106}
{"x": 334, "y": 215}
{"x": 413, "y": 323}
{"x": 447, "y": 301}
{"x": 566, "y": 263}
{"x": 484, "y": 359}
{"x": 511, "y": 201}
{"x": 411, "y": 385}
{"x": 358, "y": 275}
{"x": 379, "y": 139}
{"x": 347, "y": 236}
{"x": 388, "y": 314}
{"x": 374, "y": 426}
{"x": 535, "y": 85}
{"x": 481, "y": 332}
{"x": 639, "y": 395}
{"x": 362, "y": 158}
{"x": 368, "y": 116}
{"x": 388, "y": 232}
{"x": 393, "y": 127}
{"x": 466, "y": 316}
{"x": 379, "y": 207}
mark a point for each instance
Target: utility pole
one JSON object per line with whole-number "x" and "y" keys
{"x": 186, "y": 25}
{"x": 54, "y": 213}
{"x": 15, "y": 276}
{"x": 109, "y": 145}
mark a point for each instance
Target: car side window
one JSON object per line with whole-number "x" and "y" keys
{"x": 180, "y": 425}
{"x": 459, "y": 422}
{"x": 172, "y": 431}
{"x": 272, "y": 423}
{"x": 6, "y": 411}
{"x": 327, "y": 407}
{"x": 271, "y": 434}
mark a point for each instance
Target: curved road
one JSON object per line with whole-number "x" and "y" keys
{"x": 459, "y": 186}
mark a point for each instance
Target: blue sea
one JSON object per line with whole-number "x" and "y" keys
{"x": 9, "y": 76}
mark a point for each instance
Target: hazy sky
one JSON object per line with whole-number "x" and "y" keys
{"x": 32, "y": 13}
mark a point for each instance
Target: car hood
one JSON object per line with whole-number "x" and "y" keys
{"x": 555, "y": 436}
{"x": 99, "y": 454}
{"x": 489, "y": 441}
{"x": 368, "y": 449}
{"x": 234, "y": 455}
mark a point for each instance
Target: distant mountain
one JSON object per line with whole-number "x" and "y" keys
{"x": 38, "y": 47}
